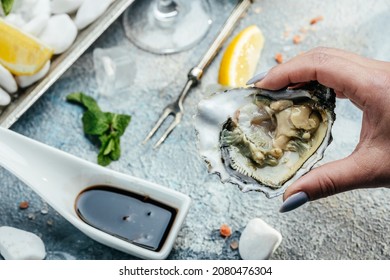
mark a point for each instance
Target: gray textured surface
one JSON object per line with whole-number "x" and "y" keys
{"x": 353, "y": 225}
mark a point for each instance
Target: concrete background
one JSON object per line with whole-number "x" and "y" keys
{"x": 353, "y": 225}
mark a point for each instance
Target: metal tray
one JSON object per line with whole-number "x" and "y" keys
{"x": 61, "y": 63}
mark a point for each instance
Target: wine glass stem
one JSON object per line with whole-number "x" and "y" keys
{"x": 166, "y": 10}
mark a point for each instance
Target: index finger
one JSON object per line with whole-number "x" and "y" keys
{"x": 342, "y": 74}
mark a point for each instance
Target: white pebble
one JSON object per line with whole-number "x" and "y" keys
{"x": 25, "y": 81}
{"x": 89, "y": 11}
{"x": 258, "y": 240}
{"x": 15, "y": 19}
{"x": 17, "y": 244}
{"x": 7, "y": 81}
{"x": 65, "y": 6}
{"x": 5, "y": 99}
{"x": 59, "y": 33}
{"x": 35, "y": 26}
{"x": 24, "y": 8}
{"x": 42, "y": 7}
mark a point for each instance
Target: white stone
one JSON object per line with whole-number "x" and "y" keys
{"x": 89, "y": 11}
{"x": 5, "y": 99}
{"x": 24, "y": 8}
{"x": 25, "y": 81}
{"x": 17, "y": 244}
{"x": 59, "y": 33}
{"x": 35, "y": 26}
{"x": 7, "y": 81}
{"x": 258, "y": 240}
{"x": 15, "y": 19}
{"x": 42, "y": 7}
{"x": 65, "y": 6}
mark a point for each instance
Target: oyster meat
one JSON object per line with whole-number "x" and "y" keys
{"x": 265, "y": 140}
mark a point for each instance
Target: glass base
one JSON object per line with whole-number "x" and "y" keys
{"x": 150, "y": 30}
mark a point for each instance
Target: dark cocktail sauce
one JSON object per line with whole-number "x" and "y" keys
{"x": 126, "y": 215}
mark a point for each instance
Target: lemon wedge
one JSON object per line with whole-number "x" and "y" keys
{"x": 20, "y": 53}
{"x": 241, "y": 57}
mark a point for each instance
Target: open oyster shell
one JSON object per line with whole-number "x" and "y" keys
{"x": 265, "y": 140}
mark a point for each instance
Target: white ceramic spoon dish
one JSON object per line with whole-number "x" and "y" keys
{"x": 59, "y": 178}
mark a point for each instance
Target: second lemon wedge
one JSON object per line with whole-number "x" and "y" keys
{"x": 241, "y": 57}
{"x": 20, "y": 53}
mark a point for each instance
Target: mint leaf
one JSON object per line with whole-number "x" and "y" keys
{"x": 109, "y": 147}
{"x": 116, "y": 151}
{"x": 7, "y": 6}
{"x": 120, "y": 122}
{"x": 85, "y": 100}
{"x": 104, "y": 160}
{"x": 107, "y": 127}
{"x": 106, "y": 149}
{"x": 95, "y": 122}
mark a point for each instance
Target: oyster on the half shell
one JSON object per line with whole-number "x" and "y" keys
{"x": 265, "y": 140}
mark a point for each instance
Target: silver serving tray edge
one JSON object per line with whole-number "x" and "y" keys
{"x": 61, "y": 63}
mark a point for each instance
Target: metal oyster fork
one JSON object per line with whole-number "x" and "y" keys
{"x": 175, "y": 109}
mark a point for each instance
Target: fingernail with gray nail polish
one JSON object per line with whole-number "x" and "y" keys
{"x": 257, "y": 78}
{"x": 294, "y": 202}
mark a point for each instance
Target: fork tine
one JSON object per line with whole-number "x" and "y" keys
{"x": 167, "y": 111}
{"x": 175, "y": 122}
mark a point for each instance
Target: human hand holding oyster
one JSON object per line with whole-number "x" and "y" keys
{"x": 366, "y": 83}
{"x": 266, "y": 139}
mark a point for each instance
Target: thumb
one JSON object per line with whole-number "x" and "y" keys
{"x": 329, "y": 179}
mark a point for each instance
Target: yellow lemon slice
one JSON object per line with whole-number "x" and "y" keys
{"x": 240, "y": 59}
{"x": 20, "y": 53}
